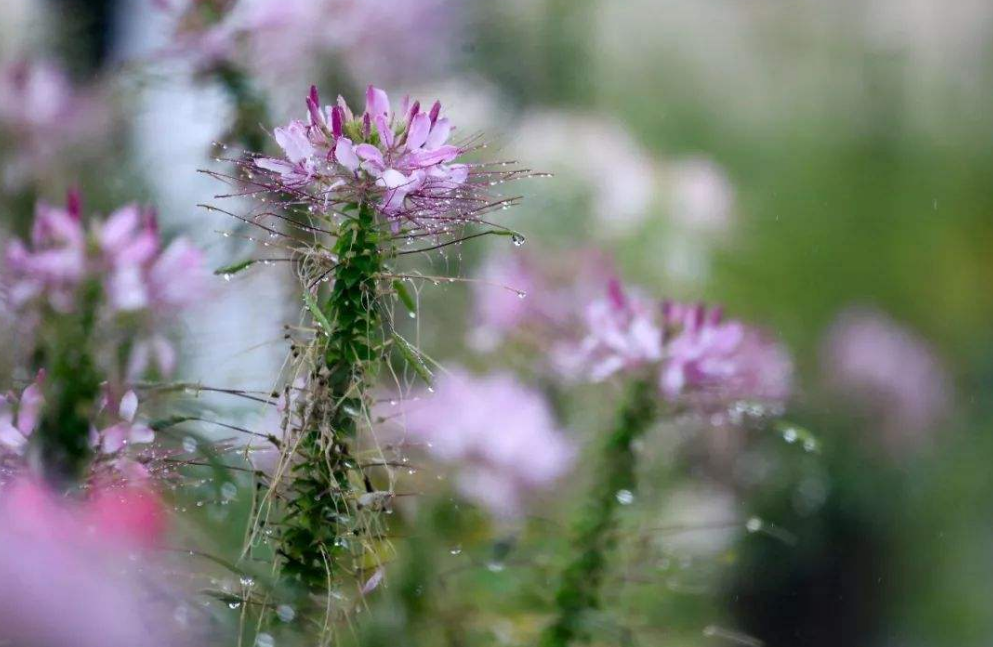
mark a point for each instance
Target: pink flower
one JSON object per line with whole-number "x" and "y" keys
{"x": 126, "y": 431}
{"x": 525, "y": 297}
{"x": 622, "y": 334}
{"x": 139, "y": 274}
{"x": 500, "y": 436}
{"x": 890, "y": 371}
{"x": 698, "y": 357}
{"x": 712, "y": 360}
{"x": 67, "y": 580}
{"x": 400, "y": 160}
{"x": 55, "y": 264}
{"x": 16, "y": 427}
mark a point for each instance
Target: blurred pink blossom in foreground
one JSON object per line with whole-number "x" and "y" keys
{"x": 499, "y": 434}
{"x": 74, "y": 573}
{"x": 890, "y": 371}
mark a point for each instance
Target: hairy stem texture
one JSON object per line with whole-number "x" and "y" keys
{"x": 320, "y": 525}
{"x": 579, "y": 589}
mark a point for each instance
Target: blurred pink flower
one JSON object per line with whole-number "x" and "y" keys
{"x": 17, "y": 426}
{"x": 623, "y": 333}
{"x": 710, "y": 359}
{"x": 517, "y": 294}
{"x": 55, "y": 264}
{"x": 139, "y": 273}
{"x": 702, "y": 196}
{"x": 125, "y": 431}
{"x": 499, "y": 434}
{"x": 887, "y": 369}
{"x": 280, "y": 38}
{"x": 66, "y": 578}
{"x": 42, "y": 112}
{"x": 700, "y": 358}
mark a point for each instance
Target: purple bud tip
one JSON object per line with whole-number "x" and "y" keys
{"x": 366, "y": 125}
{"x": 74, "y": 204}
{"x": 150, "y": 218}
{"x": 314, "y": 96}
{"x": 315, "y": 112}
{"x": 337, "y": 117}
{"x": 414, "y": 109}
{"x": 699, "y": 310}
{"x": 615, "y": 292}
{"x": 435, "y": 111}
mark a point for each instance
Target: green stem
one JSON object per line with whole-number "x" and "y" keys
{"x": 579, "y": 589}
{"x": 72, "y": 387}
{"x": 320, "y": 523}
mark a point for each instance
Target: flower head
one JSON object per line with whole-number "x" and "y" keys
{"x": 125, "y": 430}
{"x": 699, "y": 357}
{"x": 710, "y": 359}
{"x": 399, "y": 159}
{"x": 622, "y": 333}
{"x": 499, "y": 434}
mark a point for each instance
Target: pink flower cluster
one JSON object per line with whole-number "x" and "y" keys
{"x": 66, "y": 573}
{"x": 400, "y": 160}
{"x": 123, "y": 254}
{"x": 499, "y": 434}
{"x": 698, "y": 356}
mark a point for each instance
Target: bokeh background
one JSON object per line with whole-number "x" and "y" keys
{"x": 823, "y": 168}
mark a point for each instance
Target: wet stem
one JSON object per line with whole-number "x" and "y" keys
{"x": 319, "y": 526}
{"x": 72, "y": 386}
{"x": 595, "y": 529}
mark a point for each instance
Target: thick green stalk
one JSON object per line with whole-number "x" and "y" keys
{"x": 579, "y": 589}
{"x": 320, "y": 524}
{"x": 72, "y": 387}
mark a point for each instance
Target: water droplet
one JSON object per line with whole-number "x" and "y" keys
{"x": 456, "y": 550}
{"x": 412, "y": 315}
{"x": 754, "y": 524}
{"x": 496, "y": 567}
{"x": 521, "y": 294}
{"x": 265, "y": 640}
{"x": 517, "y": 239}
{"x": 190, "y": 445}
{"x": 285, "y": 613}
{"x": 229, "y": 491}
{"x": 625, "y": 497}
{"x": 234, "y": 605}
{"x": 810, "y": 445}
{"x": 247, "y": 581}
{"x": 790, "y": 435}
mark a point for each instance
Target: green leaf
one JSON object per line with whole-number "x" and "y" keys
{"x": 234, "y": 268}
{"x": 413, "y": 357}
{"x": 316, "y": 311}
{"x": 406, "y": 298}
